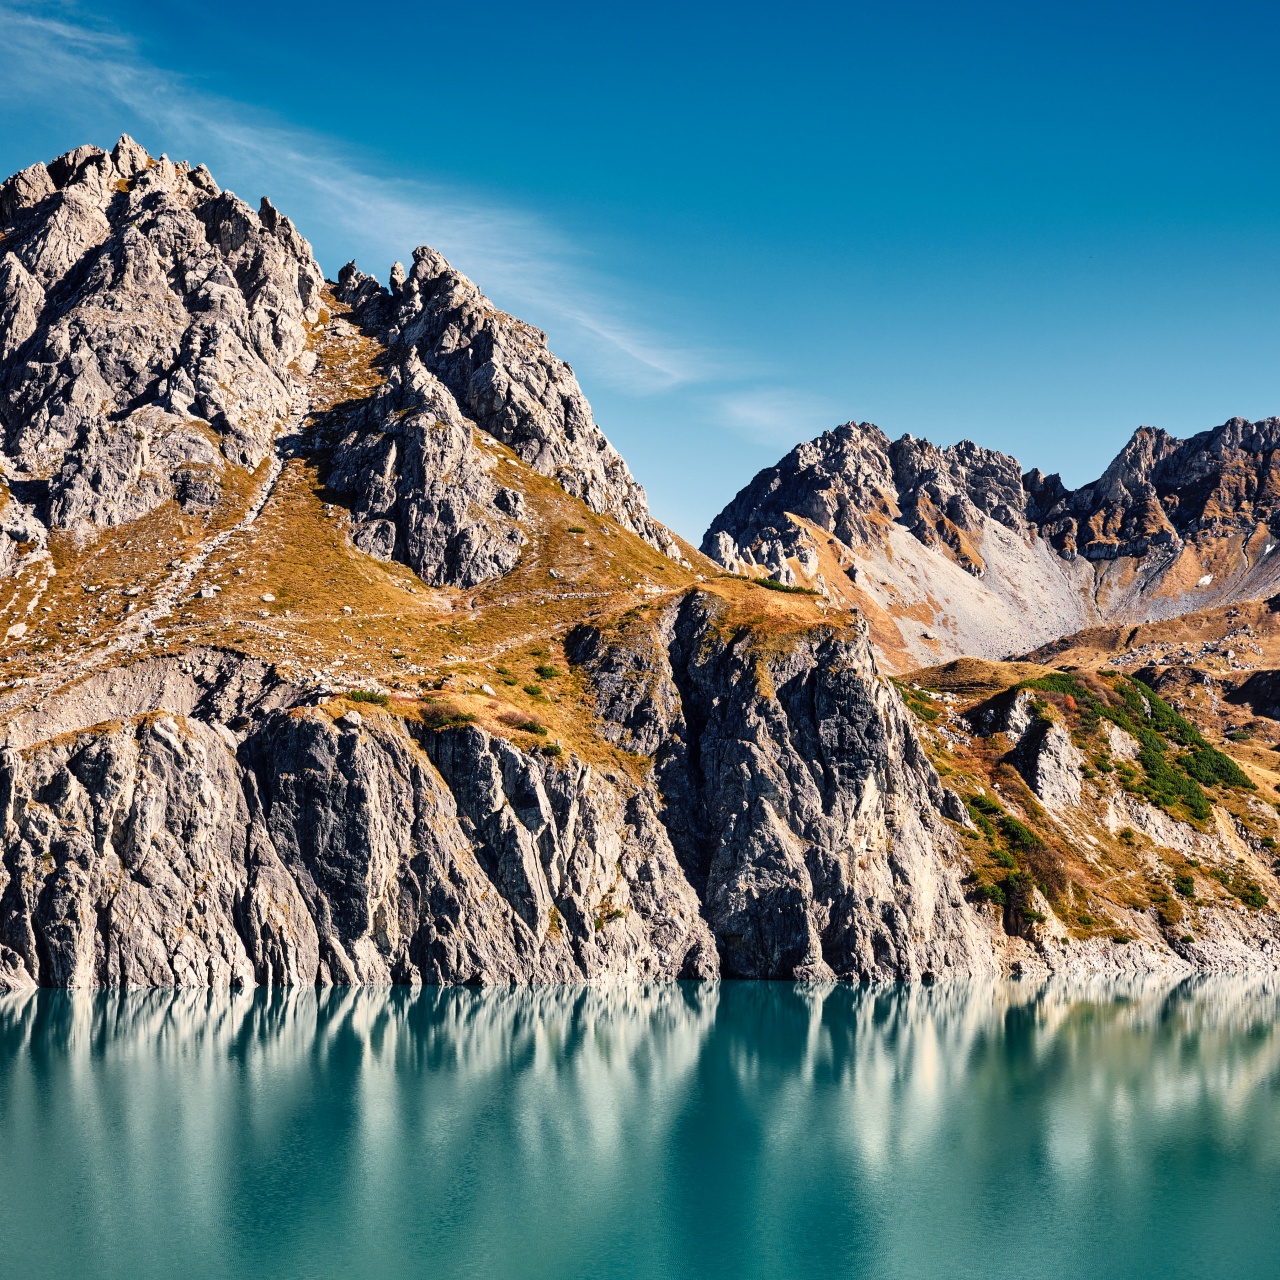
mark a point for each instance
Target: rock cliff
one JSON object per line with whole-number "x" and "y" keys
{"x": 789, "y": 826}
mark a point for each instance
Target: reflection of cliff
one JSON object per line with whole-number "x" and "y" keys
{"x": 905, "y": 1062}
{"x": 704, "y": 1129}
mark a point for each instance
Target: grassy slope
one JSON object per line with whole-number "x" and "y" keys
{"x": 1094, "y": 876}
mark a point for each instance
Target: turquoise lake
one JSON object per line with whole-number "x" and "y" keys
{"x": 735, "y": 1130}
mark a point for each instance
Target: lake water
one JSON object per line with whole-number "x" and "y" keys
{"x": 735, "y": 1130}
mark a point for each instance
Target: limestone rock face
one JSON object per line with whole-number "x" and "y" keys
{"x": 126, "y": 859}
{"x": 150, "y": 328}
{"x": 797, "y": 798}
{"x": 168, "y": 850}
{"x": 502, "y": 375}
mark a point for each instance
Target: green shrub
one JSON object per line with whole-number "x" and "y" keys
{"x": 367, "y": 695}
{"x": 1252, "y": 896}
{"x": 576, "y": 528}
{"x": 980, "y": 819}
{"x": 533, "y": 690}
{"x": 547, "y": 672}
{"x": 1185, "y": 884}
{"x": 988, "y": 893}
{"x": 773, "y": 585}
{"x": 436, "y": 715}
{"x": 533, "y": 726}
{"x": 1211, "y": 767}
{"x": 919, "y": 703}
{"x": 1020, "y": 836}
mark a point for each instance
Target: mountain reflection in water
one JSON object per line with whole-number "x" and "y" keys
{"x": 738, "y": 1129}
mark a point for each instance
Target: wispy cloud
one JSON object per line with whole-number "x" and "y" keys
{"x": 773, "y": 415}
{"x": 56, "y": 58}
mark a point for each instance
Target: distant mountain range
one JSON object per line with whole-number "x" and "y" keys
{"x": 1171, "y": 526}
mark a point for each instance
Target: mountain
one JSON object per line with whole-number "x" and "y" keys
{"x": 956, "y": 551}
{"x": 340, "y": 646}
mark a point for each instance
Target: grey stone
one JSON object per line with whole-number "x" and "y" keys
{"x": 146, "y": 321}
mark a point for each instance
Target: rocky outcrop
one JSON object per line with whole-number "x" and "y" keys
{"x": 797, "y": 798}
{"x": 1039, "y": 747}
{"x": 422, "y": 482}
{"x": 152, "y": 331}
{"x": 501, "y": 374}
{"x": 159, "y": 850}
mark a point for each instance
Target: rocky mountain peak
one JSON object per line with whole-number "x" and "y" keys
{"x": 153, "y": 329}
{"x": 852, "y": 482}
{"x": 503, "y": 377}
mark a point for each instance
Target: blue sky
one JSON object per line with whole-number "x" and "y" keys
{"x": 1035, "y": 226}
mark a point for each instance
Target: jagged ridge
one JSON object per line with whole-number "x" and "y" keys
{"x": 1170, "y": 526}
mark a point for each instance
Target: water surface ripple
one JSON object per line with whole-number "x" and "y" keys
{"x": 736, "y": 1130}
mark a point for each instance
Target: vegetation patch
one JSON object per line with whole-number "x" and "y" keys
{"x": 1026, "y": 858}
{"x": 440, "y": 715}
{"x": 1175, "y": 761}
{"x": 919, "y": 703}
{"x": 526, "y": 724}
{"x": 772, "y": 584}
{"x": 1240, "y": 885}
